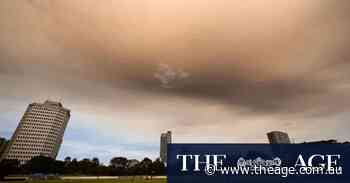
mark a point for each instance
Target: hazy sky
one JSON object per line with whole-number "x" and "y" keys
{"x": 210, "y": 71}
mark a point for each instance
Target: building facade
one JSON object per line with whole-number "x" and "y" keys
{"x": 165, "y": 139}
{"x": 39, "y": 133}
{"x": 277, "y": 137}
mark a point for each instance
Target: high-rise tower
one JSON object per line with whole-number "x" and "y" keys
{"x": 277, "y": 137}
{"x": 39, "y": 133}
{"x": 165, "y": 139}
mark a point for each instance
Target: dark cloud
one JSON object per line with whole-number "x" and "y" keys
{"x": 270, "y": 60}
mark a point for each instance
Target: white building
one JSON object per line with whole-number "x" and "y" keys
{"x": 165, "y": 139}
{"x": 40, "y": 132}
{"x": 277, "y": 137}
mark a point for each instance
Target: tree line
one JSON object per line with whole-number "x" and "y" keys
{"x": 118, "y": 166}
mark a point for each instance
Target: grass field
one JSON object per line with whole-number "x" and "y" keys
{"x": 99, "y": 181}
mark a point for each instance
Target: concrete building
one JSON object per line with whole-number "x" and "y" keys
{"x": 277, "y": 137}
{"x": 165, "y": 139}
{"x": 39, "y": 133}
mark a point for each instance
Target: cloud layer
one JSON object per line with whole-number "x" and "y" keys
{"x": 206, "y": 70}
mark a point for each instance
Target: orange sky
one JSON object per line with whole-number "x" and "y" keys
{"x": 215, "y": 67}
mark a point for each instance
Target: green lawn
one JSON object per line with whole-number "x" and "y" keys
{"x": 99, "y": 181}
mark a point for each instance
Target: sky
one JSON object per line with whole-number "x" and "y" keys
{"x": 210, "y": 71}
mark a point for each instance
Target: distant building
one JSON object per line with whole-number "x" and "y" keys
{"x": 39, "y": 133}
{"x": 165, "y": 139}
{"x": 3, "y": 145}
{"x": 277, "y": 137}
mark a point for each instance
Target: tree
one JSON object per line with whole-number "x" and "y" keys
{"x": 96, "y": 161}
{"x": 119, "y": 162}
{"x": 85, "y": 166}
{"x": 96, "y": 169}
{"x": 67, "y": 159}
{"x": 8, "y": 167}
{"x": 41, "y": 164}
{"x": 72, "y": 168}
{"x": 133, "y": 167}
{"x": 58, "y": 167}
{"x": 145, "y": 166}
{"x": 119, "y": 166}
{"x": 157, "y": 167}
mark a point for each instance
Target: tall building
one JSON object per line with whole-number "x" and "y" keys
{"x": 39, "y": 133}
{"x": 165, "y": 139}
{"x": 277, "y": 137}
